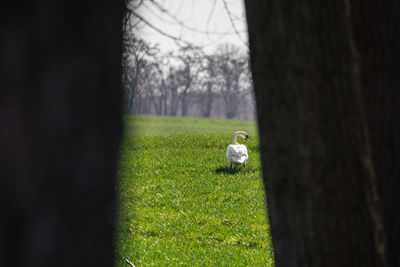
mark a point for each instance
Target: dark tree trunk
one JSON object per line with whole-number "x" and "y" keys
{"x": 160, "y": 106}
{"x": 231, "y": 104}
{"x": 174, "y": 102}
{"x": 326, "y": 80}
{"x": 60, "y": 121}
{"x": 376, "y": 27}
{"x": 184, "y": 97}
{"x": 185, "y": 104}
{"x": 165, "y": 112}
{"x": 209, "y": 93}
{"x": 156, "y": 102}
{"x": 209, "y": 101}
{"x": 131, "y": 95}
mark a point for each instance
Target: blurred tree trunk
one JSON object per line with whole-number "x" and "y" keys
{"x": 60, "y": 121}
{"x": 327, "y": 79}
{"x": 186, "y": 83}
{"x": 174, "y": 103}
{"x": 184, "y": 97}
{"x": 209, "y": 101}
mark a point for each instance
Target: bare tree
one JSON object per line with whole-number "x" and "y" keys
{"x": 187, "y": 84}
{"x": 160, "y": 97}
{"x": 129, "y": 73}
{"x": 135, "y": 65}
{"x": 147, "y": 81}
{"x": 207, "y": 84}
{"x": 188, "y": 76}
{"x": 172, "y": 85}
{"x": 180, "y": 80}
{"x": 233, "y": 72}
{"x": 180, "y": 90}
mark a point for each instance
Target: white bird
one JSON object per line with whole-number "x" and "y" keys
{"x": 237, "y": 153}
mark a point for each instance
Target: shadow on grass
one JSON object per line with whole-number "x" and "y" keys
{"x": 227, "y": 170}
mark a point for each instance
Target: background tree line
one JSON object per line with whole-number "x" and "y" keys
{"x": 186, "y": 82}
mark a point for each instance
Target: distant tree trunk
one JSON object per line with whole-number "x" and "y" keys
{"x": 165, "y": 112}
{"x": 60, "y": 121}
{"x": 160, "y": 104}
{"x": 208, "y": 95}
{"x": 174, "y": 102}
{"x": 327, "y": 79}
{"x": 187, "y": 83}
{"x": 209, "y": 100}
{"x": 229, "y": 98}
{"x": 157, "y": 105}
{"x": 231, "y": 103}
{"x": 185, "y": 103}
{"x": 131, "y": 91}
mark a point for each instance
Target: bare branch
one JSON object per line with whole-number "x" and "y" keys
{"x": 132, "y": 7}
{"x": 211, "y": 13}
{"x": 184, "y": 44}
{"x": 233, "y": 23}
{"x": 181, "y": 23}
{"x": 178, "y": 40}
{"x": 126, "y": 19}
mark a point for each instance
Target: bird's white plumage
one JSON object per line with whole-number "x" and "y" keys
{"x": 237, "y": 154}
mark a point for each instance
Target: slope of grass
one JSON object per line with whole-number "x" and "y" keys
{"x": 179, "y": 202}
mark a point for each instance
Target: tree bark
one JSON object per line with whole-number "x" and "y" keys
{"x": 60, "y": 121}
{"x": 326, "y": 80}
{"x": 376, "y": 28}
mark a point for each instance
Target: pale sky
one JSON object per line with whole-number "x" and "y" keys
{"x": 204, "y": 25}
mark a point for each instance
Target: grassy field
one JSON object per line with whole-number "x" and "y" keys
{"x": 179, "y": 204}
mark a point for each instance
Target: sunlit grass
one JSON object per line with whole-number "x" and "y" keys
{"x": 180, "y": 203}
{"x": 145, "y": 125}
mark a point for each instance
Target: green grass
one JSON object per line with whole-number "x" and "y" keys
{"x": 179, "y": 204}
{"x": 149, "y": 125}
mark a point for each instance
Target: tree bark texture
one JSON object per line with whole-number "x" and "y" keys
{"x": 326, "y": 80}
{"x": 60, "y": 121}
